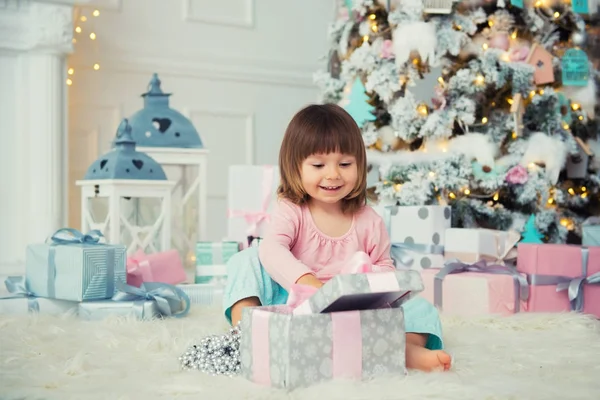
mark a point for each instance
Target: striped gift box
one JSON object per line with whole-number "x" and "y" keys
{"x": 211, "y": 258}
{"x": 206, "y": 294}
{"x": 75, "y": 271}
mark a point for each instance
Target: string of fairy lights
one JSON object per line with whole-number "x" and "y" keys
{"x": 552, "y": 12}
{"x": 83, "y": 30}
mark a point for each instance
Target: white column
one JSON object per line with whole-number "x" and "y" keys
{"x": 35, "y": 38}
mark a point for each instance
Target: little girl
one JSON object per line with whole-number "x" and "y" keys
{"x": 321, "y": 222}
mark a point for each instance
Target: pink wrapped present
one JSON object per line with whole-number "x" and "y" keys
{"x": 163, "y": 267}
{"x": 561, "y": 277}
{"x": 475, "y": 289}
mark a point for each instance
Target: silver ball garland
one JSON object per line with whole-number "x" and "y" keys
{"x": 215, "y": 354}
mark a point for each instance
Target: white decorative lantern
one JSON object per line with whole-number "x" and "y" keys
{"x": 171, "y": 140}
{"x": 125, "y": 176}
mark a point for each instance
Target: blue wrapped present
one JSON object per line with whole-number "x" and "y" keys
{"x": 22, "y": 301}
{"x": 211, "y": 256}
{"x": 74, "y": 266}
{"x": 150, "y": 300}
{"x": 591, "y": 232}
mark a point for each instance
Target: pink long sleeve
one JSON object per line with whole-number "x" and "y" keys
{"x": 275, "y": 249}
{"x": 380, "y": 246}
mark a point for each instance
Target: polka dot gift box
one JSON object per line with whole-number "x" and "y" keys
{"x": 417, "y": 234}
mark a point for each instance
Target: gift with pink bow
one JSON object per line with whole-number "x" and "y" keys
{"x": 252, "y": 195}
{"x": 337, "y": 331}
{"x": 163, "y": 267}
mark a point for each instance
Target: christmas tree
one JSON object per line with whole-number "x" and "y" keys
{"x": 530, "y": 232}
{"x": 486, "y": 105}
{"x": 357, "y": 105}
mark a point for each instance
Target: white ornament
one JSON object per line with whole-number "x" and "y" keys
{"x": 387, "y": 135}
{"x": 419, "y": 36}
{"x": 551, "y": 152}
{"x": 475, "y": 146}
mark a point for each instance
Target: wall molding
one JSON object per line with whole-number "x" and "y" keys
{"x": 249, "y": 132}
{"x": 260, "y": 72}
{"x": 246, "y": 22}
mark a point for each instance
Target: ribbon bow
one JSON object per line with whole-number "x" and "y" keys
{"x": 72, "y": 236}
{"x": 255, "y": 218}
{"x": 402, "y": 251}
{"x": 456, "y": 266}
{"x": 167, "y": 297}
{"x": 17, "y": 287}
{"x": 574, "y": 291}
{"x": 139, "y": 268}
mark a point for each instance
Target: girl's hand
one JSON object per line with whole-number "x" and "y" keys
{"x": 310, "y": 280}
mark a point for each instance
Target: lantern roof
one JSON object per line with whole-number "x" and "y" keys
{"x": 159, "y": 125}
{"x": 123, "y": 161}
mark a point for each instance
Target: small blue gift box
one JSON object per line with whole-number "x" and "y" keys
{"x": 22, "y": 301}
{"x": 591, "y": 232}
{"x": 210, "y": 255}
{"x": 74, "y": 266}
{"x": 151, "y": 300}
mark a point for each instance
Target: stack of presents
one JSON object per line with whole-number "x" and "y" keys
{"x": 462, "y": 271}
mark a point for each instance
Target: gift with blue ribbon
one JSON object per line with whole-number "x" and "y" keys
{"x": 561, "y": 277}
{"x": 150, "y": 300}
{"x": 21, "y": 300}
{"x": 417, "y": 234}
{"x": 74, "y": 266}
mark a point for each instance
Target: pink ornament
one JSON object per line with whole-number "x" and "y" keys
{"x": 387, "y": 50}
{"x": 343, "y": 14}
{"x": 519, "y": 54}
{"x": 439, "y": 101}
{"x": 517, "y": 175}
{"x": 500, "y": 40}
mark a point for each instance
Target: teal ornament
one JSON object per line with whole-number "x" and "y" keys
{"x": 358, "y": 107}
{"x": 575, "y": 68}
{"x": 563, "y": 107}
{"x": 517, "y": 3}
{"x": 158, "y": 125}
{"x": 483, "y": 172}
{"x": 530, "y": 233}
{"x": 580, "y": 6}
{"x": 348, "y": 4}
{"x": 124, "y": 161}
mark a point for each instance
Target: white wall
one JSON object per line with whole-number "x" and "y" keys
{"x": 238, "y": 68}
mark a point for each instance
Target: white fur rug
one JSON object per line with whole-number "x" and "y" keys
{"x": 522, "y": 357}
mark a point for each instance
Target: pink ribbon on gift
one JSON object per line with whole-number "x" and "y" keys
{"x": 346, "y": 325}
{"x": 255, "y": 218}
{"x": 139, "y": 266}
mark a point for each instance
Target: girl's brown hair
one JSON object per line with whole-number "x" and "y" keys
{"x": 321, "y": 129}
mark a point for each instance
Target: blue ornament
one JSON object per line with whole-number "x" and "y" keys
{"x": 358, "y": 107}
{"x": 124, "y": 162}
{"x": 575, "y": 68}
{"x": 158, "y": 125}
{"x": 517, "y": 3}
{"x": 484, "y": 172}
{"x": 530, "y": 233}
{"x": 581, "y": 6}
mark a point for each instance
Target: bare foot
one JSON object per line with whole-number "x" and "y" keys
{"x": 418, "y": 357}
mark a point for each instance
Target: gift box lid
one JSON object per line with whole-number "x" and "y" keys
{"x": 365, "y": 291}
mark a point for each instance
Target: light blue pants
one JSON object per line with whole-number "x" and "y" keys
{"x": 247, "y": 278}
